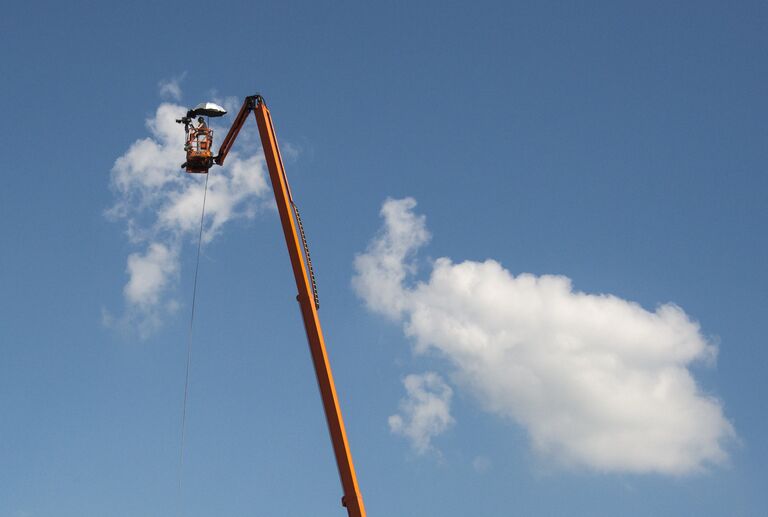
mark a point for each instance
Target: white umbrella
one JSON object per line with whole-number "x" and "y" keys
{"x": 209, "y": 109}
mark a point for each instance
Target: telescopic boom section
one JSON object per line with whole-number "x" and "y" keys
{"x": 242, "y": 115}
{"x": 352, "y": 498}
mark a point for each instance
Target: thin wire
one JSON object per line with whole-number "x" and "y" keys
{"x": 189, "y": 344}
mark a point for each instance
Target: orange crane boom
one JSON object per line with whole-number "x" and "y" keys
{"x": 289, "y": 218}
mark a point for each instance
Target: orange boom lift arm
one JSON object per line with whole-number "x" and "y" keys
{"x": 307, "y": 296}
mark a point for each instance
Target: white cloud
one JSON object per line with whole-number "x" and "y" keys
{"x": 161, "y": 206}
{"x": 171, "y": 88}
{"x": 149, "y": 274}
{"x": 597, "y": 381}
{"x": 425, "y": 413}
{"x": 382, "y": 270}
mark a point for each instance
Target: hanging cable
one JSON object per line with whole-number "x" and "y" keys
{"x": 189, "y": 343}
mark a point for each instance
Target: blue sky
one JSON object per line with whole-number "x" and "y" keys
{"x": 620, "y": 146}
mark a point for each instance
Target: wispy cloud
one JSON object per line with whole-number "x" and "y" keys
{"x": 425, "y": 412}
{"x": 597, "y": 381}
{"x": 160, "y": 206}
{"x": 171, "y": 88}
{"x": 481, "y": 464}
{"x": 149, "y": 273}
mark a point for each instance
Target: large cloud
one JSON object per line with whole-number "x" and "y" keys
{"x": 161, "y": 207}
{"x": 597, "y": 381}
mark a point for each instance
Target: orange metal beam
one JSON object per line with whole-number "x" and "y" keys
{"x": 352, "y": 498}
{"x": 234, "y": 130}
